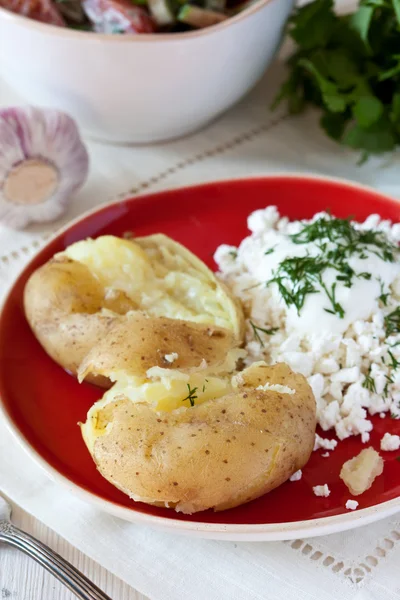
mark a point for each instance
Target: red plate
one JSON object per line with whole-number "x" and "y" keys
{"x": 43, "y": 403}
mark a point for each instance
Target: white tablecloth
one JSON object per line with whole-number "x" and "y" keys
{"x": 362, "y": 564}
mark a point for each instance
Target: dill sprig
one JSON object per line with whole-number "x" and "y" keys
{"x": 337, "y": 241}
{"x": 191, "y": 396}
{"x": 392, "y": 322}
{"x": 369, "y": 383}
{"x": 389, "y": 380}
{"x": 257, "y": 328}
{"x": 204, "y": 385}
{"x": 394, "y": 362}
{"x": 383, "y": 295}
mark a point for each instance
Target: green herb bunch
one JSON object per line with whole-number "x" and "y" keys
{"x": 348, "y": 66}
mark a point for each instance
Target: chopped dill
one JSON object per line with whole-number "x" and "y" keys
{"x": 269, "y": 251}
{"x": 251, "y": 287}
{"x": 233, "y": 253}
{"x": 298, "y": 276}
{"x": 337, "y": 309}
{"x": 394, "y": 362}
{"x": 204, "y": 385}
{"x": 389, "y": 380}
{"x": 337, "y": 241}
{"x": 383, "y": 296}
{"x": 369, "y": 383}
{"x": 392, "y": 322}
{"x": 349, "y": 240}
{"x": 191, "y": 396}
{"x": 256, "y": 330}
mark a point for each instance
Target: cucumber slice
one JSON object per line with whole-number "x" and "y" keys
{"x": 161, "y": 12}
{"x": 199, "y": 17}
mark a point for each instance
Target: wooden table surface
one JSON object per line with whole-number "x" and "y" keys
{"x": 21, "y": 578}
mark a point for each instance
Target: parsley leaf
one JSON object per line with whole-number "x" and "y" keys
{"x": 367, "y": 110}
{"x": 349, "y": 67}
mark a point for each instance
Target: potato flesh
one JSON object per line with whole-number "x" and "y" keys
{"x": 359, "y": 472}
{"x": 217, "y": 454}
{"x": 166, "y": 394}
{"x": 161, "y": 284}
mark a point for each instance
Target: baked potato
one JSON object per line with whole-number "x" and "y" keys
{"x": 140, "y": 343}
{"x": 73, "y": 301}
{"x": 193, "y": 441}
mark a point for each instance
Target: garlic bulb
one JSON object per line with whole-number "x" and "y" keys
{"x": 42, "y": 163}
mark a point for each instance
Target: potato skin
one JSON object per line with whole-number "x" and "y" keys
{"x": 219, "y": 454}
{"x": 139, "y": 343}
{"x": 70, "y": 311}
{"x": 62, "y": 302}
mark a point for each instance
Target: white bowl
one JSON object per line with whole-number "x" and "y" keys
{"x": 143, "y": 88}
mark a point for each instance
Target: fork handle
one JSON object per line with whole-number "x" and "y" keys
{"x": 73, "y": 579}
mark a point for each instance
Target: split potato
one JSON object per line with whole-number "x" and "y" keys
{"x": 74, "y": 300}
{"x": 193, "y": 441}
{"x": 139, "y": 343}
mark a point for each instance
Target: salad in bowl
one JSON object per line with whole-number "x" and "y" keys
{"x": 127, "y": 16}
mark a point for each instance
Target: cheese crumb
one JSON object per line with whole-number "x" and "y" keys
{"x": 324, "y": 443}
{"x": 351, "y": 504}
{"x": 321, "y": 490}
{"x": 171, "y": 357}
{"x": 390, "y": 442}
{"x": 325, "y": 454}
{"x": 276, "y": 387}
{"x": 296, "y": 476}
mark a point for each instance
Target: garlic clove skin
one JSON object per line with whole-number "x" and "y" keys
{"x": 42, "y": 163}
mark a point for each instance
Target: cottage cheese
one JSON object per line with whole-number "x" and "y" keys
{"x": 324, "y": 443}
{"x": 296, "y": 476}
{"x": 349, "y": 360}
{"x": 390, "y": 442}
{"x": 351, "y": 504}
{"x": 321, "y": 490}
{"x": 276, "y": 387}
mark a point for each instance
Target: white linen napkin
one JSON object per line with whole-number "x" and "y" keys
{"x": 356, "y": 565}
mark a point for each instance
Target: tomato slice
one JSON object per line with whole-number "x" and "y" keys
{"x": 39, "y": 10}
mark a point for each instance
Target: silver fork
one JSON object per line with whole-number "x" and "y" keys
{"x": 80, "y": 585}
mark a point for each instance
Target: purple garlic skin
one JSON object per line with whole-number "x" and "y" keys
{"x": 43, "y": 162}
